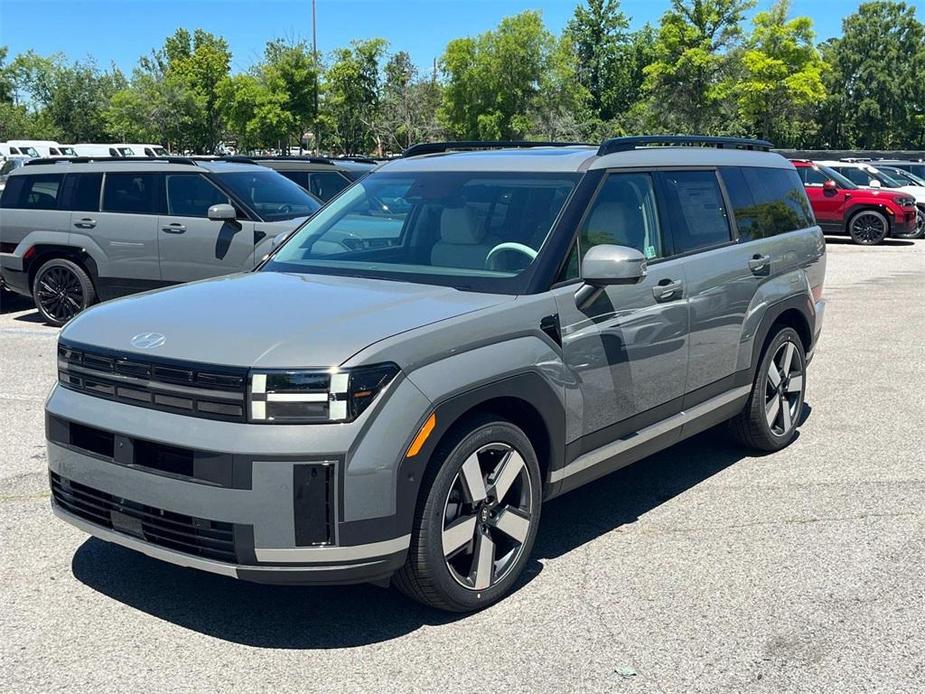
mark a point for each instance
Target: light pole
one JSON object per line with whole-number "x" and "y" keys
{"x": 315, "y": 58}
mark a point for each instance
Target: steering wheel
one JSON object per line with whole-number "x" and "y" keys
{"x": 507, "y": 246}
{"x": 285, "y": 209}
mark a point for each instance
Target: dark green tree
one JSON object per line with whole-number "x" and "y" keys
{"x": 598, "y": 34}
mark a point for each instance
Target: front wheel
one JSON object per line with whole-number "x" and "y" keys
{"x": 772, "y": 413}
{"x": 477, "y": 518}
{"x": 868, "y": 228}
{"x": 61, "y": 289}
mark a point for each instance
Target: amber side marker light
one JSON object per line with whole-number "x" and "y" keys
{"x": 421, "y": 438}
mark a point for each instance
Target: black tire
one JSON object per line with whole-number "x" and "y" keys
{"x": 760, "y": 425}
{"x": 61, "y": 289}
{"x": 431, "y": 575}
{"x": 868, "y": 227}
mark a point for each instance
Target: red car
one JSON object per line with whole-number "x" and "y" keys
{"x": 868, "y": 215}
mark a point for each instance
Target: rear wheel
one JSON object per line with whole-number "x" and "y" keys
{"x": 772, "y": 413}
{"x": 477, "y": 519}
{"x": 868, "y": 227}
{"x": 61, "y": 289}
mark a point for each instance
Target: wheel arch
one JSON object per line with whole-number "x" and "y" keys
{"x": 45, "y": 252}
{"x": 796, "y": 313}
{"x": 853, "y": 211}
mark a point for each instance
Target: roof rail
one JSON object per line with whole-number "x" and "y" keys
{"x": 86, "y": 160}
{"x": 290, "y": 157}
{"x": 437, "y": 147}
{"x": 624, "y": 144}
{"x": 356, "y": 160}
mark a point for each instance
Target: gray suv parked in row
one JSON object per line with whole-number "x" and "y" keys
{"x": 455, "y": 339}
{"x": 75, "y": 230}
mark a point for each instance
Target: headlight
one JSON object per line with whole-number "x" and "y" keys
{"x": 315, "y": 396}
{"x": 905, "y": 202}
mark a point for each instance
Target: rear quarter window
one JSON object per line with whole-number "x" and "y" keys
{"x": 766, "y": 201}
{"x": 39, "y": 192}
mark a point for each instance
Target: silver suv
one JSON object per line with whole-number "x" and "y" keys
{"x": 455, "y": 339}
{"x": 74, "y": 231}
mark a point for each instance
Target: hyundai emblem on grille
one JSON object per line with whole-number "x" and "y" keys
{"x": 148, "y": 340}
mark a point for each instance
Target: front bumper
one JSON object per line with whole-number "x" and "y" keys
{"x": 153, "y": 482}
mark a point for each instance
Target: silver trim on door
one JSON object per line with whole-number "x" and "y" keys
{"x": 611, "y": 450}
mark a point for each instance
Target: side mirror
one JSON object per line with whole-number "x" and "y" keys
{"x": 874, "y": 183}
{"x": 830, "y": 186}
{"x": 222, "y": 213}
{"x": 605, "y": 265}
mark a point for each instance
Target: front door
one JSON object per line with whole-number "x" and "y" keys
{"x": 192, "y": 246}
{"x": 828, "y": 205}
{"x": 627, "y": 350}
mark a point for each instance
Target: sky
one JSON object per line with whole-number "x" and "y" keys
{"x": 119, "y": 31}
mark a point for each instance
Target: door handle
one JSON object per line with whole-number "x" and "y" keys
{"x": 759, "y": 263}
{"x": 85, "y": 223}
{"x": 174, "y": 228}
{"x": 668, "y": 290}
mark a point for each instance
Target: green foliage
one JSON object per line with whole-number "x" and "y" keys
{"x": 493, "y": 80}
{"x": 351, "y": 97}
{"x": 694, "y": 54}
{"x": 408, "y": 109}
{"x": 877, "y": 81}
{"x": 781, "y": 76}
{"x": 598, "y": 34}
{"x": 289, "y": 71}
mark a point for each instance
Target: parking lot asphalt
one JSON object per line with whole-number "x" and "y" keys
{"x": 701, "y": 569}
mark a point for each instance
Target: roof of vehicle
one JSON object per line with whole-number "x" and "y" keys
{"x": 576, "y": 158}
{"x": 175, "y": 164}
{"x": 853, "y": 164}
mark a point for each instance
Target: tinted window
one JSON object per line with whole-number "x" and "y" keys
{"x": 326, "y": 185}
{"x": 85, "y": 196}
{"x": 300, "y": 177}
{"x": 270, "y": 195}
{"x": 698, "y": 215}
{"x": 624, "y": 213}
{"x": 8, "y": 166}
{"x": 135, "y": 193}
{"x": 192, "y": 195}
{"x": 54, "y": 151}
{"x": 854, "y": 175}
{"x": 812, "y": 176}
{"x": 767, "y": 201}
{"x": 35, "y": 192}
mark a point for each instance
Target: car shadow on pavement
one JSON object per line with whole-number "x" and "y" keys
{"x": 12, "y": 303}
{"x": 847, "y": 241}
{"x": 346, "y": 616}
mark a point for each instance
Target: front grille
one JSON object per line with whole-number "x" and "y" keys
{"x": 196, "y": 536}
{"x": 197, "y": 390}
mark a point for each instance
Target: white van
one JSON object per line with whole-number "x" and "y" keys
{"x": 110, "y": 150}
{"x": 142, "y": 150}
{"x": 44, "y": 148}
{"x": 8, "y": 149}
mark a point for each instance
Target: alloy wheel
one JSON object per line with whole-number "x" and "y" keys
{"x": 868, "y": 227}
{"x": 60, "y": 293}
{"x": 487, "y": 516}
{"x": 784, "y": 389}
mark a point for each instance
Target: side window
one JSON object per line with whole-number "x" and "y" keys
{"x": 191, "y": 195}
{"x": 133, "y": 193}
{"x": 326, "y": 184}
{"x": 812, "y": 176}
{"x": 855, "y": 175}
{"x": 767, "y": 201}
{"x": 698, "y": 215}
{"x": 53, "y": 151}
{"x": 85, "y": 191}
{"x": 36, "y": 192}
{"x": 624, "y": 213}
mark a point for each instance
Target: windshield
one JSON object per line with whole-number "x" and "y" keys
{"x": 160, "y": 152}
{"x": 841, "y": 180}
{"x": 905, "y": 177}
{"x": 273, "y": 197}
{"x": 885, "y": 180}
{"x": 31, "y": 151}
{"x": 468, "y": 230}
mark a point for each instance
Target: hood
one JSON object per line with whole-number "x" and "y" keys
{"x": 270, "y": 319}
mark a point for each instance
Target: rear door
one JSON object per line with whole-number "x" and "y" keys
{"x": 751, "y": 210}
{"x": 125, "y": 229}
{"x": 720, "y": 283}
{"x": 628, "y": 349}
{"x": 191, "y": 245}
